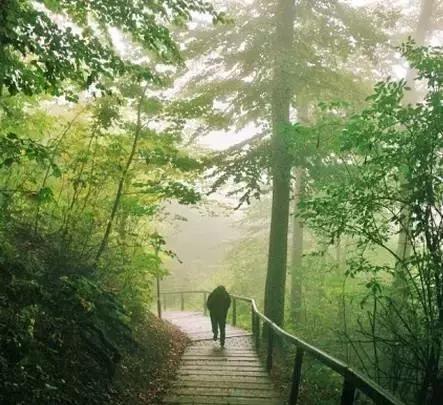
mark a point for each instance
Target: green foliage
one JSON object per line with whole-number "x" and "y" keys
{"x": 39, "y": 54}
{"x": 65, "y": 339}
{"x": 14, "y": 149}
{"x": 57, "y": 327}
{"x": 309, "y": 146}
{"x": 70, "y": 174}
{"x": 361, "y": 301}
{"x": 331, "y": 39}
{"x": 246, "y": 168}
{"x": 61, "y": 187}
{"x": 392, "y": 155}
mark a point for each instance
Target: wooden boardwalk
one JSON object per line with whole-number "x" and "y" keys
{"x": 212, "y": 375}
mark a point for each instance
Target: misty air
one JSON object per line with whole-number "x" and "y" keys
{"x": 221, "y": 202}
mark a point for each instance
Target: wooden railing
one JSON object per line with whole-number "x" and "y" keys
{"x": 352, "y": 380}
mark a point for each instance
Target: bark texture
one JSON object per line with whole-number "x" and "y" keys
{"x": 281, "y": 163}
{"x": 297, "y": 249}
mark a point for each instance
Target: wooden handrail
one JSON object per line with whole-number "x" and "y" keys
{"x": 352, "y": 379}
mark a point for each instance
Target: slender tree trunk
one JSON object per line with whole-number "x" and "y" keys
{"x": 281, "y": 164}
{"x": 58, "y": 141}
{"x": 403, "y": 244}
{"x": 298, "y": 232}
{"x": 122, "y": 180}
{"x": 67, "y": 217}
{"x": 91, "y": 175}
{"x": 340, "y": 255}
{"x": 297, "y": 249}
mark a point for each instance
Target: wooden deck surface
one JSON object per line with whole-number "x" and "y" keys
{"x": 211, "y": 375}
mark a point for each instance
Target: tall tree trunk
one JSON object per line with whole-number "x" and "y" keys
{"x": 296, "y": 307}
{"x": 297, "y": 249}
{"x": 121, "y": 183}
{"x": 281, "y": 164}
{"x": 403, "y": 243}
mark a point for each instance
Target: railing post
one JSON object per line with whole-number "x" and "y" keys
{"x": 253, "y": 320}
{"x": 257, "y": 332}
{"x": 182, "y": 301}
{"x": 234, "y": 312}
{"x": 348, "y": 393}
{"x": 270, "y": 348}
{"x": 164, "y": 302}
{"x": 296, "y": 377}
{"x": 159, "y": 305}
{"x": 205, "y": 310}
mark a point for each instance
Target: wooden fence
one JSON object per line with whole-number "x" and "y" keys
{"x": 352, "y": 380}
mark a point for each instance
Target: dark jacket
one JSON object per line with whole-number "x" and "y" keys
{"x": 219, "y": 302}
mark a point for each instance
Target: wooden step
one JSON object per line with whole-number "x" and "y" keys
{"x": 193, "y": 383}
{"x": 223, "y": 362}
{"x": 222, "y": 378}
{"x": 224, "y": 373}
{"x": 227, "y": 392}
{"x": 205, "y": 400}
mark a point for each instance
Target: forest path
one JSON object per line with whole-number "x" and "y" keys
{"x": 211, "y": 375}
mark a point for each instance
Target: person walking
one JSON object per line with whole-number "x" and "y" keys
{"x": 218, "y": 304}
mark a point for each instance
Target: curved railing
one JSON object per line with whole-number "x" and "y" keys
{"x": 353, "y": 380}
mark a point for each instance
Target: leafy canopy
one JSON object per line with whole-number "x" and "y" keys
{"x": 48, "y": 43}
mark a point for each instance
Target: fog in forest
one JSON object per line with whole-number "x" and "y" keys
{"x": 154, "y": 151}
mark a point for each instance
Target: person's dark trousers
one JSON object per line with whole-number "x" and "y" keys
{"x": 214, "y": 324}
{"x": 218, "y": 324}
{"x": 222, "y": 325}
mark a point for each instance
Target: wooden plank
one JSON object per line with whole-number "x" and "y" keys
{"x": 196, "y": 383}
{"x": 201, "y": 337}
{"x": 214, "y": 350}
{"x": 225, "y": 351}
{"x": 227, "y": 354}
{"x": 260, "y": 382}
{"x": 237, "y": 373}
{"x": 228, "y": 349}
{"x": 220, "y": 361}
{"x": 214, "y": 366}
{"x": 227, "y": 392}
{"x": 225, "y": 378}
{"x": 205, "y": 400}
{"x": 226, "y": 369}
{"x": 207, "y": 357}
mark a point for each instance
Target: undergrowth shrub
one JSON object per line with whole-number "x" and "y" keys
{"x": 61, "y": 334}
